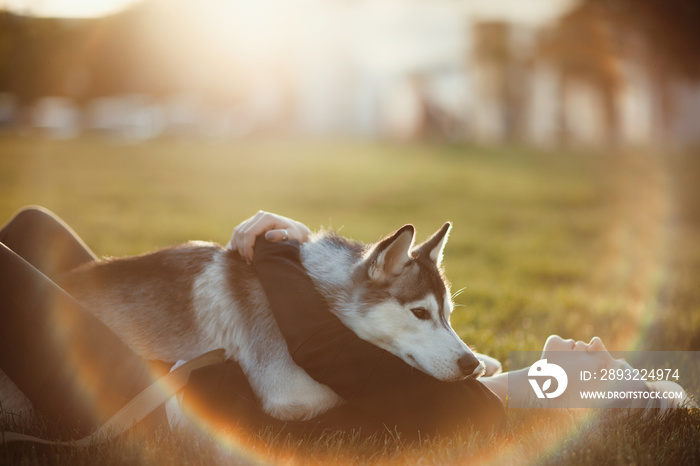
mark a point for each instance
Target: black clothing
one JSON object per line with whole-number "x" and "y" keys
{"x": 382, "y": 392}
{"x": 373, "y": 381}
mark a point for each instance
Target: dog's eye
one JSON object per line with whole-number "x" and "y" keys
{"x": 421, "y": 313}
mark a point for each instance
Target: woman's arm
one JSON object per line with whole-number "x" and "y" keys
{"x": 511, "y": 385}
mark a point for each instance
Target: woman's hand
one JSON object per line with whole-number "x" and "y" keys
{"x": 275, "y": 227}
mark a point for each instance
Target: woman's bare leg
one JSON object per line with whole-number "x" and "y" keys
{"x": 70, "y": 366}
{"x": 45, "y": 241}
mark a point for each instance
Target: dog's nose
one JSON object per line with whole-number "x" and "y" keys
{"x": 467, "y": 364}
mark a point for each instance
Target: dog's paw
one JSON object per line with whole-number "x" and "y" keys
{"x": 492, "y": 366}
{"x": 295, "y": 406}
{"x": 290, "y": 412}
{"x": 288, "y": 393}
{"x": 298, "y": 397}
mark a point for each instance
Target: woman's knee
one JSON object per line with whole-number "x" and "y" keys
{"x": 44, "y": 240}
{"x": 31, "y": 218}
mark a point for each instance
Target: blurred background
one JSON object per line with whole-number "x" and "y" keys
{"x": 545, "y": 73}
{"x": 560, "y": 137}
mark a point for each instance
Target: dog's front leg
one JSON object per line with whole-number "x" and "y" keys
{"x": 288, "y": 393}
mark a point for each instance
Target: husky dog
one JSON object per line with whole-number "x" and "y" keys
{"x": 182, "y": 301}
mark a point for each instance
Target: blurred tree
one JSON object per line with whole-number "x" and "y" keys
{"x": 668, "y": 29}
{"x": 581, "y": 47}
{"x": 661, "y": 36}
{"x": 147, "y": 49}
{"x": 43, "y": 56}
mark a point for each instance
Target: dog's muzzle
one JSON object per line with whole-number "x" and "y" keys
{"x": 469, "y": 365}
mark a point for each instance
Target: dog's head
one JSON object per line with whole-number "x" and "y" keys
{"x": 403, "y": 304}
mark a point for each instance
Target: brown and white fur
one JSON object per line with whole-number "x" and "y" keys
{"x": 182, "y": 301}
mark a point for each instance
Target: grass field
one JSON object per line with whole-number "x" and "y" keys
{"x": 574, "y": 243}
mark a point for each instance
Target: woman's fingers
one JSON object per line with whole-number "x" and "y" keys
{"x": 275, "y": 236}
{"x": 275, "y": 228}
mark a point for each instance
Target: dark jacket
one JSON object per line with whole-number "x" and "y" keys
{"x": 381, "y": 390}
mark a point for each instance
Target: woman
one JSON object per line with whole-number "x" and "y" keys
{"x": 382, "y": 392}
{"x": 43, "y": 331}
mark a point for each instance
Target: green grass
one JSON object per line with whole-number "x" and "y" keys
{"x": 516, "y": 213}
{"x": 574, "y": 243}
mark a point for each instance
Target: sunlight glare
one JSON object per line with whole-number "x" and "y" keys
{"x": 66, "y": 8}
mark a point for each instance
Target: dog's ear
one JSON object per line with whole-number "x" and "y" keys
{"x": 434, "y": 246}
{"x": 391, "y": 254}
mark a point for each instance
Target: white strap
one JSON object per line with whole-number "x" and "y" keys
{"x": 135, "y": 410}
